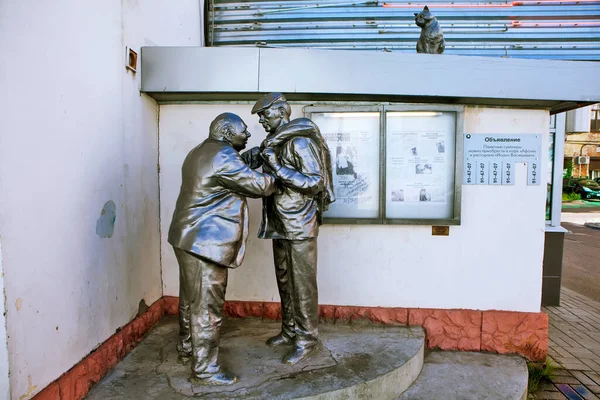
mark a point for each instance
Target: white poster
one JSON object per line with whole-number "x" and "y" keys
{"x": 420, "y": 165}
{"x": 353, "y": 140}
{"x": 417, "y": 162}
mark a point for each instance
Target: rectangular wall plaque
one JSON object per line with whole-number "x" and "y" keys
{"x": 440, "y": 230}
{"x": 490, "y": 158}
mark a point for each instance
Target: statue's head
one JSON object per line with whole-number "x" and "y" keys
{"x": 230, "y": 128}
{"x": 424, "y": 17}
{"x": 273, "y": 111}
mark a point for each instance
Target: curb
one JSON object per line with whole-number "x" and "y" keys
{"x": 593, "y": 225}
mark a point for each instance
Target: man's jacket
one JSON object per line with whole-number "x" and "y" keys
{"x": 211, "y": 214}
{"x": 296, "y": 211}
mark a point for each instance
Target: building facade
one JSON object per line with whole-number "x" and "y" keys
{"x": 582, "y": 144}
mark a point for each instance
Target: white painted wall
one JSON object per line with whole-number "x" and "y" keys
{"x": 76, "y": 133}
{"x": 492, "y": 261}
{"x": 4, "y": 382}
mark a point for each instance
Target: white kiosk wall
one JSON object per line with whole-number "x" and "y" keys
{"x": 493, "y": 260}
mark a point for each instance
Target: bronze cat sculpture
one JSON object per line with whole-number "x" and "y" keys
{"x": 432, "y": 39}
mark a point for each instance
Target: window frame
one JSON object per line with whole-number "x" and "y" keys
{"x": 595, "y": 112}
{"x": 383, "y": 108}
{"x": 557, "y": 172}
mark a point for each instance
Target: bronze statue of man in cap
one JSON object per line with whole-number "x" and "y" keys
{"x": 295, "y": 152}
{"x": 208, "y": 233}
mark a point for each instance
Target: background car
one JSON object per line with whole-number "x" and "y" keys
{"x": 587, "y": 188}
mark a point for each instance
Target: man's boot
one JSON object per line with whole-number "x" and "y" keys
{"x": 281, "y": 339}
{"x": 221, "y": 378}
{"x": 298, "y": 354}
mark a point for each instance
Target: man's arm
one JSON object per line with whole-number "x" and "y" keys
{"x": 306, "y": 156}
{"x": 238, "y": 177}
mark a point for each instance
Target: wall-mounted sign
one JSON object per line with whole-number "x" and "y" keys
{"x": 490, "y": 159}
{"x": 440, "y": 230}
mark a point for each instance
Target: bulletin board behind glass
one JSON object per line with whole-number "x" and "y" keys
{"x": 420, "y": 148}
{"x": 392, "y": 164}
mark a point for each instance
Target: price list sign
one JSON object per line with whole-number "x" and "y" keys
{"x": 490, "y": 159}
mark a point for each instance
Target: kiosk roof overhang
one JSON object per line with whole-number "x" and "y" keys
{"x": 172, "y": 74}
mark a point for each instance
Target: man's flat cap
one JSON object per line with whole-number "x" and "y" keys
{"x": 265, "y": 101}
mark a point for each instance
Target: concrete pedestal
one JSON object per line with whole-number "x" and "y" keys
{"x": 354, "y": 362}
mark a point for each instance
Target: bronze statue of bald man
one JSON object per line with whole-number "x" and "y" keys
{"x": 296, "y": 153}
{"x": 208, "y": 233}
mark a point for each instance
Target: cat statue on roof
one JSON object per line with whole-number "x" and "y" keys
{"x": 432, "y": 38}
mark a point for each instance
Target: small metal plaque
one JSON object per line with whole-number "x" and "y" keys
{"x": 440, "y": 230}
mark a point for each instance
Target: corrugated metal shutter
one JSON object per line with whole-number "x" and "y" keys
{"x": 568, "y": 29}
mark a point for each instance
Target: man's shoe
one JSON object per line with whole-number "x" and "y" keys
{"x": 279, "y": 340}
{"x": 298, "y": 354}
{"x": 219, "y": 379}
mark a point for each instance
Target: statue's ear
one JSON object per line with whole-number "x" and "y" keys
{"x": 426, "y": 8}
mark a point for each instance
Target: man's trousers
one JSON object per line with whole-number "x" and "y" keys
{"x": 296, "y": 271}
{"x": 202, "y": 286}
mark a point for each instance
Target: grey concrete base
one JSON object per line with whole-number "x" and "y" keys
{"x": 354, "y": 362}
{"x": 470, "y": 376}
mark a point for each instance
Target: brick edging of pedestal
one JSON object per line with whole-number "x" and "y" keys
{"x": 503, "y": 332}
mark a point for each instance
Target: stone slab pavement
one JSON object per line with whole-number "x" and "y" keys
{"x": 574, "y": 345}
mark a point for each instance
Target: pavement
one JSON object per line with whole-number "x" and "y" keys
{"x": 462, "y": 375}
{"x": 574, "y": 346}
{"x": 581, "y": 259}
{"x": 574, "y": 326}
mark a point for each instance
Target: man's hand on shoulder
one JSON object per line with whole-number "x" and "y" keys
{"x": 270, "y": 158}
{"x": 252, "y": 157}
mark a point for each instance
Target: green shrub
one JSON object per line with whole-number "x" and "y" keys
{"x": 570, "y": 196}
{"x": 539, "y": 372}
{"x": 568, "y": 168}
